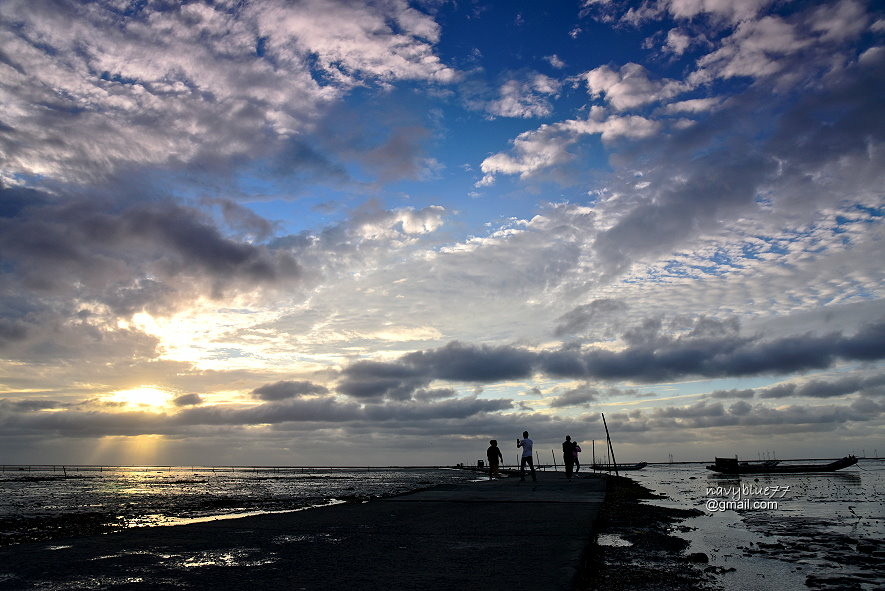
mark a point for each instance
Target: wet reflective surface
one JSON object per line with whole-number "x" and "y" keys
{"x": 792, "y": 531}
{"x": 47, "y": 505}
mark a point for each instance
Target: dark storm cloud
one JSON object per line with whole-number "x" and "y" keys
{"x": 650, "y": 357}
{"x": 288, "y": 389}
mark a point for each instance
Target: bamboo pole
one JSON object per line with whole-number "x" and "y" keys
{"x": 610, "y": 448}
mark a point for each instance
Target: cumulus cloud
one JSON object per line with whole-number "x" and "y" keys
{"x": 92, "y": 88}
{"x": 548, "y": 146}
{"x": 630, "y": 87}
{"x": 524, "y": 98}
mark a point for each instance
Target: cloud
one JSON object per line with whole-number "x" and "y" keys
{"x": 816, "y": 388}
{"x": 456, "y": 361}
{"x": 701, "y": 105}
{"x": 187, "y": 400}
{"x": 580, "y": 396}
{"x": 93, "y": 89}
{"x": 630, "y": 87}
{"x": 308, "y": 413}
{"x": 113, "y": 252}
{"x": 525, "y": 98}
{"x": 677, "y": 42}
{"x": 732, "y": 11}
{"x": 548, "y": 146}
{"x": 603, "y": 312}
{"x": 839, "y": 21}
{"x": 288, "y": 389}
{"x": 555, "y": 61}
{"x": 650, "y": 356}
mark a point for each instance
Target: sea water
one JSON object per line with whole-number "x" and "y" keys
{"x": 781, "y": 531}
{"x": 51, "y": 502}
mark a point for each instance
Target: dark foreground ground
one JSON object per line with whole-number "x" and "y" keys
{"x": 485, "y": 536}
{"x": 655, "y": 558}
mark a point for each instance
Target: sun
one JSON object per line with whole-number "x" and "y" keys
{"x": 143, "y": 397}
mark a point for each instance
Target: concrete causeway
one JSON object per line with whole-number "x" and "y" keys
{"x": 502, "y": 534}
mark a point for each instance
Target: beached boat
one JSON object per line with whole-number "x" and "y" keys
{"x": 733, "y": 466}
{"x": 619, "y": 467}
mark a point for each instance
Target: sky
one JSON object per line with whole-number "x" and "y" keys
{"x": 335, "y": 232}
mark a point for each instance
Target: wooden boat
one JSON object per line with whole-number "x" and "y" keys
{"x": 619, "y": 467}
{"x": 733, "y": 466}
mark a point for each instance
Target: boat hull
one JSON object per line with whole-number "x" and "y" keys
{"x": 619, "y": 467}
{"x": 732, "y": 466}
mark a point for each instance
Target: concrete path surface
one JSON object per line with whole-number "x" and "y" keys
{"x": 489, "y": 535}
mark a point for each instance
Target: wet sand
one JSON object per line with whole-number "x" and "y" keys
{"x": 637, "y": 548}
{"x": 503, "y": 534}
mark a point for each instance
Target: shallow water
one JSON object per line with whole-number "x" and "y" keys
{"x": 821, "y": 531}
{"x": 47, "y": 504}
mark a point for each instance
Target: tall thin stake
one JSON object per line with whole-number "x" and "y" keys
{"x": 610, "y": 448}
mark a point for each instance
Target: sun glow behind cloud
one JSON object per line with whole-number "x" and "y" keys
{"x": 149, "y": 398}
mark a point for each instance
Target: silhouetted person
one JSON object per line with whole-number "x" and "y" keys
{"x": 526, "y": 444}
{"x": 568, "y": 455}
{"x": 577, "y": 463}
{"x": 493, "y": 453}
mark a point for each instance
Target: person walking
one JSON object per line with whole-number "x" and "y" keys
{"x": 577, "y": 463}
{"x": 526, "y": 444}
{"x": 493, "y": 453}
{"x": 568, "y": 455}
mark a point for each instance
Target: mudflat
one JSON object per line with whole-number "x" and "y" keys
{"x": 488, "y": 535}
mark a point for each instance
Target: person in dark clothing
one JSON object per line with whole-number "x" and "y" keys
{"x": 568, "y": 455}
{"x": 493, "y": 453}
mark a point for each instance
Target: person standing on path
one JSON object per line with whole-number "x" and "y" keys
{"x": 526, "y": 444}
{"x": 493, "y": 453}
{"x": 568, "y": 455}
{"x": 577, "y": 463}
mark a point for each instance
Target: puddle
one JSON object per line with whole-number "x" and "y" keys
{"x": 612, "y": 540}
{"x": 240, "y": 557}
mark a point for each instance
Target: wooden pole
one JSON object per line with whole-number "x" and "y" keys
{"x": 610, "y": 448}
{"x": 553, "y": 453}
